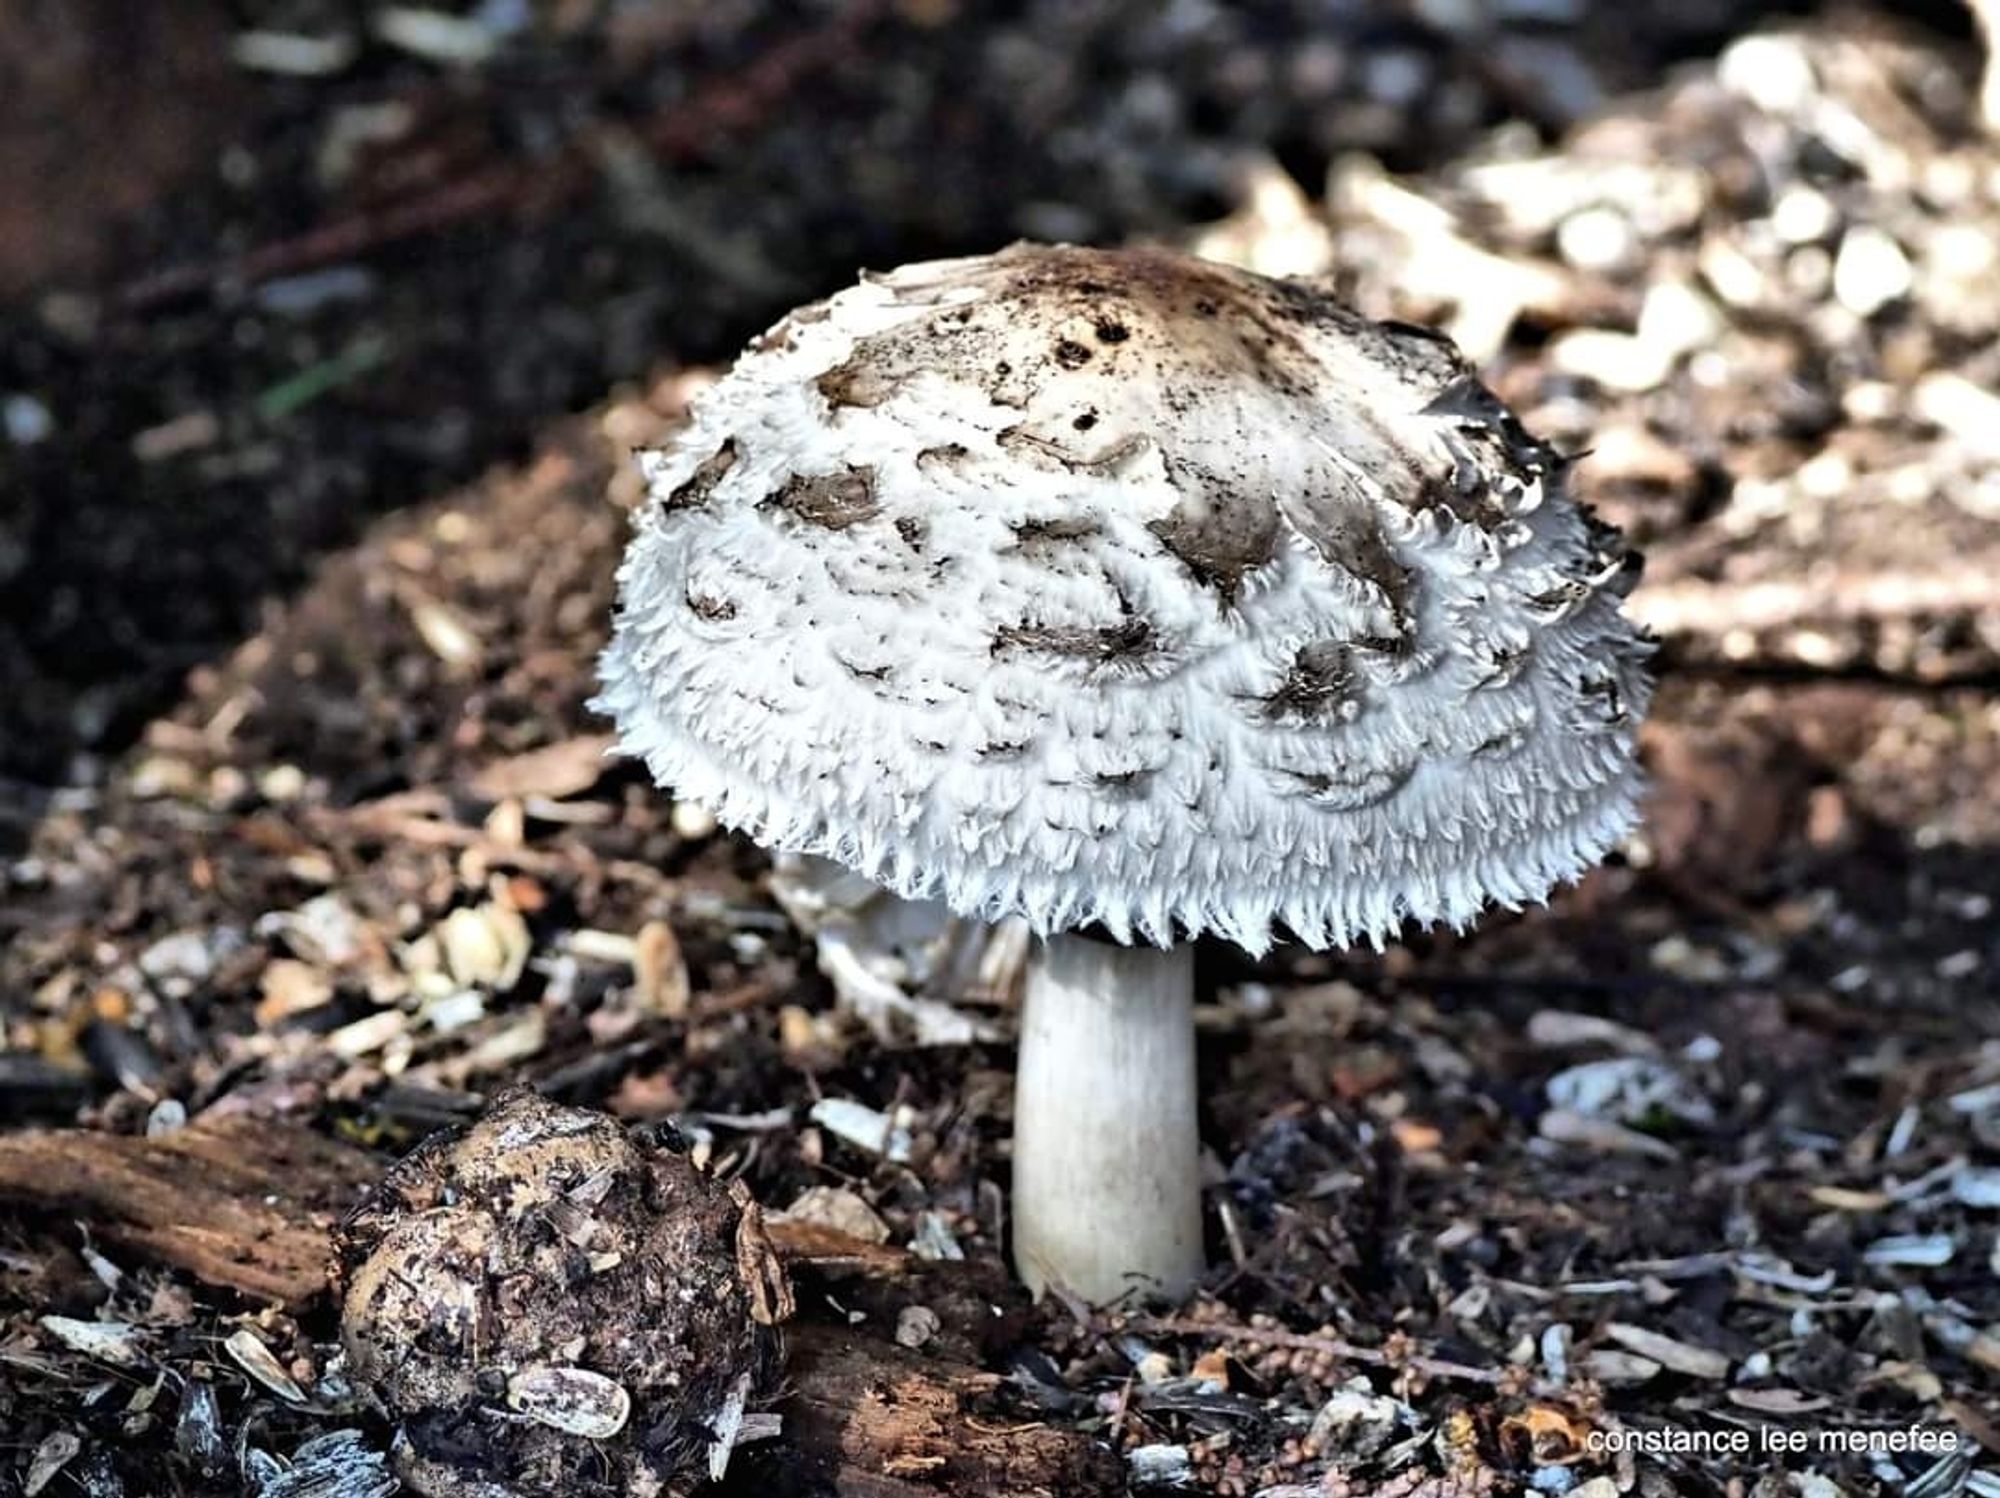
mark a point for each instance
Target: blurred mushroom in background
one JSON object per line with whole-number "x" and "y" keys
{"x": 904, "y": 968}
{"x": 1141, "y": 599}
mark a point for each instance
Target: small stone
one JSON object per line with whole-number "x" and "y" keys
{"x": 1738, "y": 280}
{"x": 1870, "y": 272}
{"x": 916, "y": 1325}
{"x": 168, "y": 1116}
{"x": 1771, "y": 71}
{"x": 1554, "y": 1345}
{"x": 281, "y": 784}
{"x": 1678, "y": 319}
{"x": 485, "y": 946}
{"x": 1802, "y": 215}
{"x": 449, "y": 635}
{"x": 692, "y": 823}
{"x": 177, "y": 437}
{"x": 293, "y": 54}
{"x": 1164, "y": 1466}
{"x": 160, "y": 777}
{"x": 1357, "y": 1422}
{"x": 291, "y": 987}
{"x": 186, "y": 956}
{"x": 1599, "y": 239}
{"x": 26, "y": 420}
{"x": 324, "y": 931}
{"x": 1560, "y": 1126}
{"x": 436, "y": 36}
{"x": 1977, "y": 1186}
{"x": 1618, "y": 362}
{"x": 1969, "y": 412}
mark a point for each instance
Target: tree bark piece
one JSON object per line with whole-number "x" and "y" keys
{"x": 878, "y": 1421}
{"x": 240, "y": 1203}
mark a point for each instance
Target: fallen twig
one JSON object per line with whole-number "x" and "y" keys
{"x": 678, "y": 133}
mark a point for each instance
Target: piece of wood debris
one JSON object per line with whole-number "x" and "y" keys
{"x": 1609, "y": 1366}
{"x": 1562, "y": 1126}
{"x": 820, "y": 1245}
{"x": 876, "y": 1420}
{"x": 242, "y": 1203}
{"x": 556, "y": 771}
{"x": 1669, "y": 1352}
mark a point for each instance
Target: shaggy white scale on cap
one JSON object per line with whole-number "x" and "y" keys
{"x": 1116, "y": 587}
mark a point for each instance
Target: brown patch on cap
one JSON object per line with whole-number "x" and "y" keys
{"x": 1488, "y": 445}
{"x": 949, "y": 455}
{"x": 1219, "y": 535}
{"x": 833, "y": 501}
{"x": 1320, "y": 681}
{"x": 1153, "y": 310}
{"x": 702, "y": 606}
{"x": 1467, "y": 496}
{"x": 1344, "y": 794}
{"x": 1031, "y": 535}
{"x": 785, "y": 335}
{"x": 855, "y": 383}
{"x": 1130, "y": 783}
{"x": 1603, "y": 698}
{"x": 1349, "y": 538}
{"x": 1054, "y": 453}
{"x": 700, "y": 484}
{"x": 1129, "y": 639}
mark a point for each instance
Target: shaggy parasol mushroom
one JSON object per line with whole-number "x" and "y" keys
{"x": 1144, "y": 598}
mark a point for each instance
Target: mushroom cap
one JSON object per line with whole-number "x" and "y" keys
{"x": 1122, "y": 588}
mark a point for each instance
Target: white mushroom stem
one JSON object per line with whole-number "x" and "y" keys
{"x": 1987, "y": 14}
{"x": 1107, "y": 1185}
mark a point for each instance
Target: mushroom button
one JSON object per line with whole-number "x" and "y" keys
{"x": 1143, "y": 598}
{"x": 548, "y": 1297}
